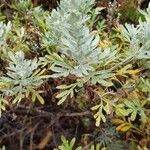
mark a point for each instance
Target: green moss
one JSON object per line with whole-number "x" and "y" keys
{"x": 130, "y": 15}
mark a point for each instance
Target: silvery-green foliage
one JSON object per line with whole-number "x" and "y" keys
{"x": 79, "y": 50}
{"x": 39, "y": 15}
{"x": 59, "y": 64}
{"x": 74, "y": 40}
{"x": 67, "y": 90}
{"x": 21, "y": 5}
{"x": 100, "y": 77}
{"x": 138, "y": 37}
{"x": 81, "y": 47}
{"x": 83, "y": 64}
{"x": 22, "y": 77}
{"x": 145, "y": 85}
{"x": 18, "y": 35}
{"x": 69, "y": 6}
{"x": 146, "y": 13}
{"x": 108, "y": 55}
{"x": 4, "y": 30}
{"x": 60, "y": 18}
{"x": 131, "y": 32}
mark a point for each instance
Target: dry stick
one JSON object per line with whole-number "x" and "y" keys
{"x": 21, "y": 133}
{"x": 11, "y": 134}
{"x": 60, "y": 114}
{"x": 85, "y": 113}
{"x": 32, "y": 134}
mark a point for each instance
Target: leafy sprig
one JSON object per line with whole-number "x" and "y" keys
{"x": 23, "y": 78}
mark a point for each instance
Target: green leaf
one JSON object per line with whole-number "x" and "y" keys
{"x": 62, "y": 94}
{"x": 105, "y": 83}
{"x": 40, "y": 98}
{"x": 133, "y": 115}
{"x": 3, "y": 104}
{"x": 62, "y": 100}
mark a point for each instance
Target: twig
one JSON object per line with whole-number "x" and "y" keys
{"x": 60, "y": 114}
{"x": 85, "y": 113}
